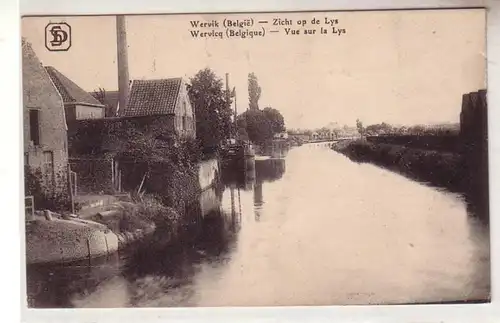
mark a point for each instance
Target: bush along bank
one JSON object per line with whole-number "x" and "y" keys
{"x": 442, "y": 169}
{"x": 158, "y": 214}
{"x": 134, "y": 222}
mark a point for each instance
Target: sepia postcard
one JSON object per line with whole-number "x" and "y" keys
{"x": 256, "y": 159}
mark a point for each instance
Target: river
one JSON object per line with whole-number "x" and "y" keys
{"x": 310, "y": 228}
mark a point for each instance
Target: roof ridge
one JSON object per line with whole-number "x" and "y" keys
{"x": 70, "y": 91}
{"x": 157, "y": 80}
{"x": 52, "y": 72}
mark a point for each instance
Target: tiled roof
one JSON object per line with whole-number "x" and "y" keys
{"x": 152, "y": 97}
{"x": 70, "y": 92}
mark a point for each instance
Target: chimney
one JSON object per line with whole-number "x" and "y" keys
{"x": 121, "y": 46}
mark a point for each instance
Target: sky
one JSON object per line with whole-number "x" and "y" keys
{"x": 399, "y": 67}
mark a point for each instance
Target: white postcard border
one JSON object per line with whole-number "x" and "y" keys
{"x": 11, "y": 175}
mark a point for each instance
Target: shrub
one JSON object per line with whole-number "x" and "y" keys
{"x": 54, "y": 197}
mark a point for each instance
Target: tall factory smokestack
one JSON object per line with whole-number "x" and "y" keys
{"x": 121, "y": 46}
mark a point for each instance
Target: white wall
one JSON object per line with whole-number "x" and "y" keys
{"x": 88, "y": 112}
{"x": 207, "y": 172}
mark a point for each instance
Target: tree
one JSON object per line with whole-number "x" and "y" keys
{"x": 359, "y": 126}
{"x": 379, "y": 128}
{"x": 254, "y": 92}
{"x": 242, "y": 129}
{"x": 275, "y": 119}
{"x": 212, "y": 106}
{"x": 258, "y": 127}
{"x": 261, "y": 125}
{"x": 335, "y": 133}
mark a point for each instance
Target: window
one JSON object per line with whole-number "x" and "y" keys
{"x": 184, "y": 116}
{"x": 34, "y": 116}
{"x": 48, "y": 168}
{"x": 26, "y": 159}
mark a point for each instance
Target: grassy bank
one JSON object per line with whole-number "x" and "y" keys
{"x": 444, "y": 142}
{"x": 443, "y": 169}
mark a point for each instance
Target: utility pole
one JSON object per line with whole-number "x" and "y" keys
{"x": 235, "y": 114}
{"x": 235, "y": 107}
{"x": 229, "y": 94}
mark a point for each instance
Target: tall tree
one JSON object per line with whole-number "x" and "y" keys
{"x": 212, "y": 105}
{"x": 359, "y": 126}
{"x": 254, "y": 91}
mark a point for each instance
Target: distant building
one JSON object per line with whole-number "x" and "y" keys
{"x": 281, "y": 135}
{"x": 45, "y": 130}
{"x": 348, "y": 132}
{"x": 301, "y": 136}
{"x": 165, "y": 97}
{"x": 109, "y": 99}
{"x": 78, "y": 103}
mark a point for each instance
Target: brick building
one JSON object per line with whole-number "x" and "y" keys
{"x": 166, "y": 98}
{"x": 44, "y": 130}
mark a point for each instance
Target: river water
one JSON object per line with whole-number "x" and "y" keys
{"x": 310, "y": 227}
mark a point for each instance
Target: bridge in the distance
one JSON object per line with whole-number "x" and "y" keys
{"x": 315, "y": 141}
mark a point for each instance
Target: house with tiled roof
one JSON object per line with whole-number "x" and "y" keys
{"x": 78, "y": 103}
{"x": 167, "y": 98}
{"x": 44, "y": 126}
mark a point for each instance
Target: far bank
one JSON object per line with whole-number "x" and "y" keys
{"x": 450, "y": 170}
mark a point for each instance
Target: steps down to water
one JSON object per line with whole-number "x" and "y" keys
{"x": 90, "y": 205}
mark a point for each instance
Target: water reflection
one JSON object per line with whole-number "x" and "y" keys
{"x": 269, "y": 170}
{"x": 49, "y": 286}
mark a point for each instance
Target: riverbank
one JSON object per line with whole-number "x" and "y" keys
{"x": 439, "y": 168}
{"x": 173, "y": 199}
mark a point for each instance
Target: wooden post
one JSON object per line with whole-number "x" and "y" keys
{"x": 113, "y": 184}
{"x": 70, "y": 184}
{"x": 142, "y": 183}
{"x": 119, "y": 178}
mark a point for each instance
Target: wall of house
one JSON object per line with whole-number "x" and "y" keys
{"x": 70, "y": 112}
{"x": 184, "y": 109}
{"x": 208, "y": 172}
{"x": 40, "y": 93}
{"x": 88, "y": 112}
